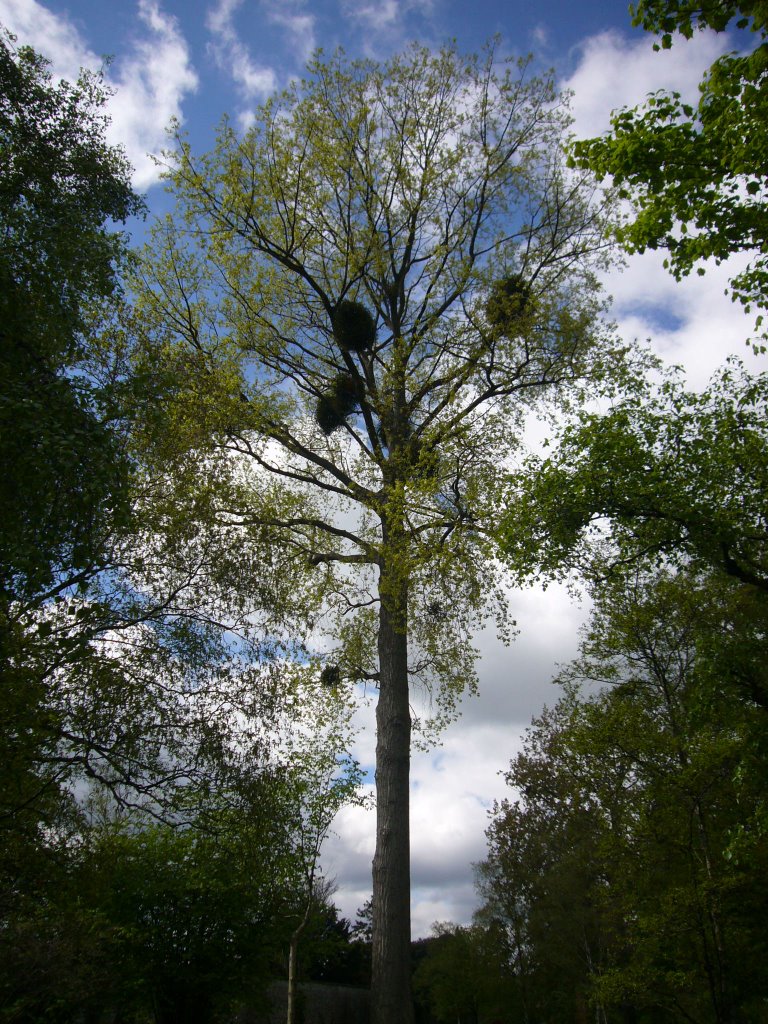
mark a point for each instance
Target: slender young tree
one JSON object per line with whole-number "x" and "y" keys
{"x": 360, "y": 299}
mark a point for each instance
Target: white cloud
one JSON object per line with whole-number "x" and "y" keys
{"x": 540, "y": 36}
{"x": 378, "y": 15}
{"x": 452, "y": 791}
{"x": 614, "y": 72}
{"x": 254, "y": 81}
{"x": 298, "y": 25}
{"x": 150, "y": 83}
{"x": 454, "y": 785}
{"x": 49, "y": 34}
{"x": 691, "y": 323}
{"x": 385, "y": 25}
{"x": 515, "y": 681}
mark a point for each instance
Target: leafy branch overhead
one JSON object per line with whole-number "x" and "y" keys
{"x": 668, "y": 474}
{"x": 695, "y": 173}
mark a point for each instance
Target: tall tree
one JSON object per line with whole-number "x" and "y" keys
{"x": 320, "y": 793}
{"x": 361, "y": 299}
{"x": 696, "y": 173}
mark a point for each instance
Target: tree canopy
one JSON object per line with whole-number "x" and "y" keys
{"x": 625, "y": 864}
{"x": 666, "y": 473}
{"x": 62, "y": 189}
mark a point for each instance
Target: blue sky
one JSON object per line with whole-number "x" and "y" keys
{"x": 198, "y": 60}
{"x": 278, "y": 34}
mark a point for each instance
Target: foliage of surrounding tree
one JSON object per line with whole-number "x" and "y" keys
{"x": 125, "y": 635}
{"x": 628, "y": 867}
{"x": 64, "y": 476}
{"x": 696, "y": 173}
{"x": 322, "y": 312}
{"x": 153, "y": 677}
{"x": 180, "y": 920}
{"x": 157, "y": 922}
{"x": 677, "y": 474}
{"x": 461, "y": 976}
{"x": 331, "y": 953}
{"x": 61, "y": 189}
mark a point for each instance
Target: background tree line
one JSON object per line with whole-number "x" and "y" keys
{"x": 626, "y": 869}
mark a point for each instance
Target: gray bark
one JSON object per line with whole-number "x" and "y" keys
{"x": 293, "y": 969}
{"x": 391, "y": 1001}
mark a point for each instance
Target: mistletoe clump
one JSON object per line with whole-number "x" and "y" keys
{"x": 330, "y": 677}
{"x": 334, "y": 407}
{"x": 353, "y": 327}
{"x": 510, "y": 298}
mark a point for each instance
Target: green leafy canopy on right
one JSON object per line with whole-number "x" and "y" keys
{"x": 695, "y": 173}
{"x": 667, "y": 474}
{"x": 626, "y": 866}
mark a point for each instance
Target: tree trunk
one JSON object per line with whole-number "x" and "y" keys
{"x": 293, "y": 965}
{"x": 391, "y": 1001}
